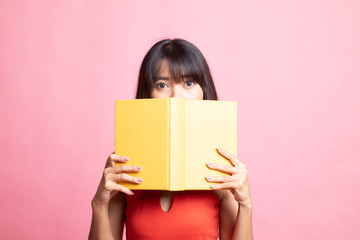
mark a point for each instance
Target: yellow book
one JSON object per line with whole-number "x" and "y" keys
{"x": 172, "y": 139}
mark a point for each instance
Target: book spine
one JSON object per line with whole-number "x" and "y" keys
{"x": 177, "y": 144}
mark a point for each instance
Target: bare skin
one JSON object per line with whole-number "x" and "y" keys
{"x": 233, "y": 190}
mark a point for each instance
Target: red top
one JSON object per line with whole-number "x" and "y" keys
{"x": 192, "y": 215}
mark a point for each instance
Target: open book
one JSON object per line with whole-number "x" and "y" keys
{"x": 172, "y": 139}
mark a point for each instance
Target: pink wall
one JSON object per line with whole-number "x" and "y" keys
{"x": 293, "y": 67}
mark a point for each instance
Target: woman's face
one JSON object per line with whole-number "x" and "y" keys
{"x": 166, "y": 87}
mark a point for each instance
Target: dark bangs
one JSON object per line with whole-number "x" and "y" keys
{"x": 184, "y": 61}
{"x": 181, "y": 65}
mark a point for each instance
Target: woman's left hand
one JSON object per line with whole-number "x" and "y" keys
{"x": 237, "y": 182}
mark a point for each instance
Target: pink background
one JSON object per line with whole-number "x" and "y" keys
{"x": 292, "y": 66}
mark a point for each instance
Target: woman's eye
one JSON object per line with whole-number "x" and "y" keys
{"x": 189, "y": 83}
{"x": 161, "y": 85}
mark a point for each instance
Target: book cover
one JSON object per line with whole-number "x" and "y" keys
{"x": 172, "y": 139}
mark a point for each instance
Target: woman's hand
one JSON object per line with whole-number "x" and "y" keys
{"x": 108, "y": 186}
{"x": 237, "y": 182}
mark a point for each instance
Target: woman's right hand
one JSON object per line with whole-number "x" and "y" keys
{"x": 108, "y": 186}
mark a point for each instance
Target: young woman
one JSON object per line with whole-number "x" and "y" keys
{"x": 173, "y": 68}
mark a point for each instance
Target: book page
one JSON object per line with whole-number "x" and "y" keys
{"x": 208, "y": 125}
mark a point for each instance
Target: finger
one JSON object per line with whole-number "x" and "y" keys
{"x": 222, "y": 179}
{"x": 234, "y": 161}
{"x": 118, "y": 158}
{"x": 123, "y": 169}
{"x": 223, "y": 168}
{"x": 117, "y": 187}
{"x": 123, "y": 177}
{"x": 229, "y": 185}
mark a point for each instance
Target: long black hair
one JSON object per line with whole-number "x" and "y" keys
{"x": 184, "y": 59}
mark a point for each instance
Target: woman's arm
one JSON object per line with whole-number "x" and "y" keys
{"x": 108, "y": 204}
{"x": 235, "y": 220}
{"x": 235, "y": 202}
{"x": 108, "y": 219}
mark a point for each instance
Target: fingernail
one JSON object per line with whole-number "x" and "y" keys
{"x": 131, "y": 193}
{"x": 139, "y": 180}
{"x": 213, "y": 187}
{"x": 211, "y": 164}
{"x": 220, "y": 149}
{"x": 126, "y": 159}
{"x": 209, "y": 178}
{"x": 138, "y": 168}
